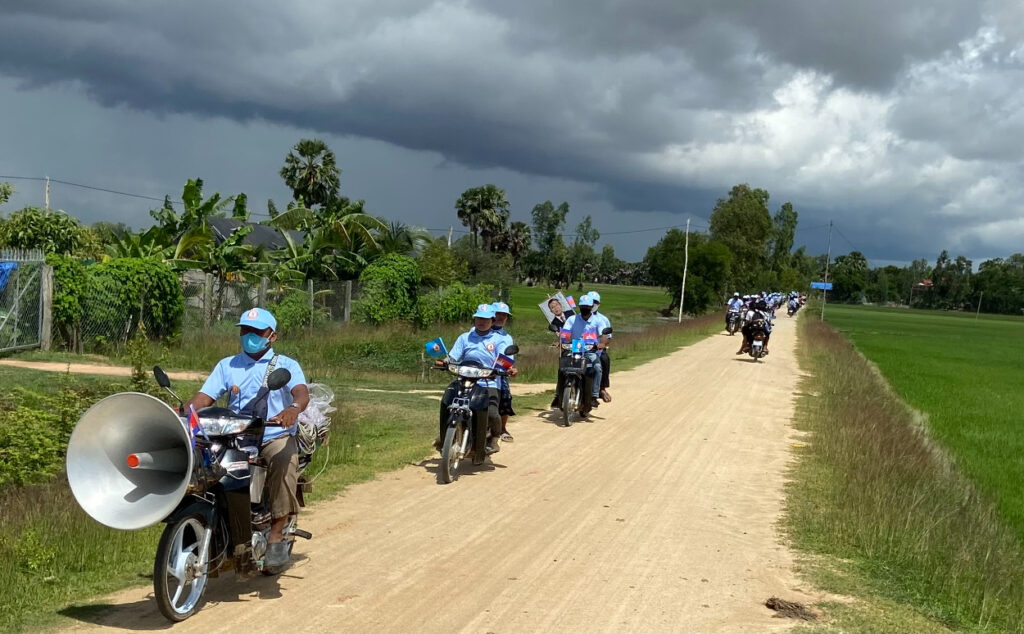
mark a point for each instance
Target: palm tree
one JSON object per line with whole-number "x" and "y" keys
{"x": 484, "y": 210}
{"x": 398, "y": 237}
{"x": 311, "y": 173}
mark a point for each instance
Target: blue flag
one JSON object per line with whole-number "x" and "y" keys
{"x": 436, "y": 348}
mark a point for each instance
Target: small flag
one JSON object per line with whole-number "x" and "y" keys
{"x": 504, "y": 362}
{"x": 565, "y": 335}
{"x": 194, "y": 427}
{"x": 572, "y": 302}
{"x": 590, "y": 336}
{"x": 435, "y": 348}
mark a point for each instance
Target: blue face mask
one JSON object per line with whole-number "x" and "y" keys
{"x": 252, "y": 343}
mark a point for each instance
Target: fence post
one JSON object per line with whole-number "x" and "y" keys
{"x": 46, "y": 301}
{"x": 261, "y": 294}
{"x": 207, "y": 301}
{"x": 348, "y": 300}
{"x": 310, "y": 284}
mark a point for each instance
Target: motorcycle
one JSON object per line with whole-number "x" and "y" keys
{"x": 732, "y": 322}
{"x": 792, "y": 308}
{"x": 132, "y": 461}
{"x": 459, "y": 435}
{"x": 758, "y": 336}
{"x": 578, "y": 378}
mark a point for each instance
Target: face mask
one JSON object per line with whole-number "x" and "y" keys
{"x": 252, "y": 343}
{"x": 585, "y": 312}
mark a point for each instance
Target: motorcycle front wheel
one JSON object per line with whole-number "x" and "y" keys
{"x": 448, "y": 470}
{"x": 178, "y": 581}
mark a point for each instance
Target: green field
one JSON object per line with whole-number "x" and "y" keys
{"x": 966, "y": 375}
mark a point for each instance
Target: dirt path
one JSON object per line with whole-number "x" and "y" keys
{"x": 660, "y": 515}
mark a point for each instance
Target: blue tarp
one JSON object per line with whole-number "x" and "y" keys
{"x": 6, "y": 268}
{"x": 824, "y": 286}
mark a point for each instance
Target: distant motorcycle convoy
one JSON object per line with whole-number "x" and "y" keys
{"x": 206, "y": 472}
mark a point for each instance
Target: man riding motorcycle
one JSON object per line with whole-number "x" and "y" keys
{"x": 480, "y": 346}
{"x": 761, "y": 313}
{"x": 735, "y": 305}
{"x": 584, "y": 326}
{"x": 241, "y": 376}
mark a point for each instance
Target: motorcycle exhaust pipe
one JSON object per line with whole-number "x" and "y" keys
{"x": 173, "y": 460}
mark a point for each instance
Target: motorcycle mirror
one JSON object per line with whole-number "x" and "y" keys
{"x": 513, "y": 349}
{"x": 552, "y": 328}
{"x": 161, "y": 377}
{"x": 607, "y": 331}
{"x": 279, "y": 378}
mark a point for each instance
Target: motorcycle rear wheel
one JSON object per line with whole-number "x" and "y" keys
{"x": 567, "y": 404}
{"x": 177, "y": 583}
{"x": 448, "y": 470}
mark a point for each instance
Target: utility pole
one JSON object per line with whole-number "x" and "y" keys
{"x": 686, "y": 262}
{"x": 979, "y": 305}
{"x": 828, "y": 257}
{"x": 47, "y": 193}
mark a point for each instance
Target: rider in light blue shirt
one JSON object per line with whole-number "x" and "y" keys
{"x": 606, "y": 362}
{"x": 584, "y": 326}
{"x": 240, "y": 377}
{"x": 502, "y": 313}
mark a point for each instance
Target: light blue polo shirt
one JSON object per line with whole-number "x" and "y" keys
{"x": 247, "y": 374}
{"x": 483, "y": 349}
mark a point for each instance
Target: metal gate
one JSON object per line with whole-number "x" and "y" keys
{"x": 21, "y": 299}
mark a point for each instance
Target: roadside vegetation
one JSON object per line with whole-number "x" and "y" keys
{"x": 883, "y": 509}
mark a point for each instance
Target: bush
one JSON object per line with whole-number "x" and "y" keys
{"x": 293, "y": 312}
{"x": 390, "y": 287}
{"x": 116, "y": 288}
{"x": 32, "y": 444}
{"x": 69, "y": 292}
{"x": 454, "y": 304}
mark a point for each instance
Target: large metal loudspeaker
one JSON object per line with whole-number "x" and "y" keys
{"x": 129, "y": 460}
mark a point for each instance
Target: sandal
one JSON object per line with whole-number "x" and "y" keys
{"x": 506, "y": 437}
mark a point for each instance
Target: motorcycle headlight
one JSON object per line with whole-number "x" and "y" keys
{"x": 566, "y": 346}
{"x": 470, "y": 372}
{"x": 224, "y": 426}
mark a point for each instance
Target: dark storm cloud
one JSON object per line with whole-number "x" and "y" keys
{"x": 661, "y": 105}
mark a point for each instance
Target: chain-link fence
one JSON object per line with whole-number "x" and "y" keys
{"x": 109, "y": 318}
{"x": 21, "y": 299}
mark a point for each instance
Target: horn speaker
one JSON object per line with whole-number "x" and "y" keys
{"x": 129, "y": 460}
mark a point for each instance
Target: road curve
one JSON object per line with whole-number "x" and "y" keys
{"x": 659, "y": 515}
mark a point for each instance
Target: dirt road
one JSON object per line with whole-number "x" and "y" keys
{"x": 660, "y": 515}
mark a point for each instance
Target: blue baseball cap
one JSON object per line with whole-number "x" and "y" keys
{"x": 484, "y": 311}
{"x": 587, "y": 300}
{"x": 258, "y": 318}
{"x": 501, "y": 307}
{"x": 596, "y": 296}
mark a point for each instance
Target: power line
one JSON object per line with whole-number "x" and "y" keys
{"x": 92, "y": 187}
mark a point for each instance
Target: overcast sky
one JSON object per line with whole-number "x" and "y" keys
{"x": 901, "y": 121}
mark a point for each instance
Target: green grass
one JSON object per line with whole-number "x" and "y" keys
{"x": 880, "y": 510}
{"x": 966, "y": 376}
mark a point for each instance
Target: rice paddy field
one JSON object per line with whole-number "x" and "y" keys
{"x": 967, "y": 376}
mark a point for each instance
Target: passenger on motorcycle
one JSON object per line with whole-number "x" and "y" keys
{"x": 760, "y": 312}
{"x": 606, "y": 369}
{"x": 501, "y": 316}
{"x": 481, "y": 346}
{"x": 241, "y": 376}
{"x": 584, "y": 326}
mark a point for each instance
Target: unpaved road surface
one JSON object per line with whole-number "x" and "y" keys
{"x": 659, "y": 515}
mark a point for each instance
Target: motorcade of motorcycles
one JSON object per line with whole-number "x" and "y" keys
{"x": 133, "y": 461}
{"x": 458, "y": 442}
{"x": 576, "y": 375}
